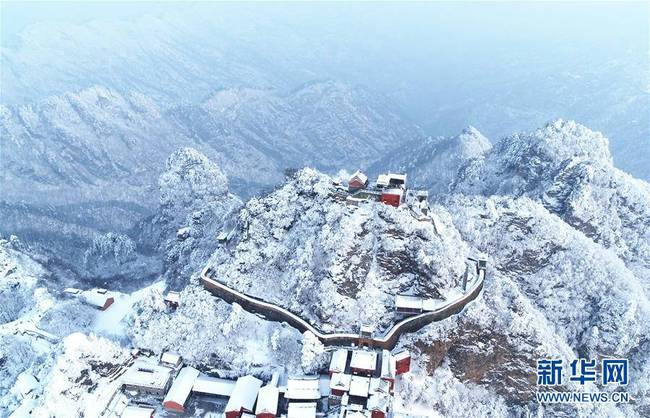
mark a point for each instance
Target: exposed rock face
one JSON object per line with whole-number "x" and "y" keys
{"x": 566, "y": 235}
{"x": 195, "y": 206}
{"x": 568, "y": 168}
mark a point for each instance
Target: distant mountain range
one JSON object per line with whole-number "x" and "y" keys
{"x": 70, "y": 160}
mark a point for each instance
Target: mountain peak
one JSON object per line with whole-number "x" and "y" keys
{"x": 563, "y": 139}
{"x": 189, "y": 175}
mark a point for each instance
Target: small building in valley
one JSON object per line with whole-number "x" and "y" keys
{"x": 340, "y": 384}
{"x": 392, "y": 196}
{"x": 378, "y": 405}
{"x": 359, "y": 386}
{"x": 173, "y": 299}
{"x": 99, "y": 298}
{"x": 170, "y": 359}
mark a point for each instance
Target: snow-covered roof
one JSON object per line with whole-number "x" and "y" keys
{"x": 385, "y": 179}
{"x": 359, "y": 386}
{"x": 402, "y": 355}
{"x": 25, "y": 383}
{"x": 302, "y": 410}
{"x": 364, "y": 360}
{"x": 358, "y": 175}
{"x": 303, "y": 389}
{"x": 366, "y": 329}
{"x": 378, "y": 402}
{"x": 95, "y": 298}
{"x": 338, "y": 361}
{"x": 378, "y": 385}
{"x": 408, "y": 302}
{"x": 267, "y": 400}
{"x": 382, "y": 180}
{"x": 244, "y": 394}
{"x": 393, "y": 191}
{"x": 431, "y": 304}
{"x": 137, "y": 412}
{"x": 213, "y": 385}
{"x": 340, "y": 381}
{"x": 181, "y": 388}
{"x": 72, "y": 290}
{"x": 147, "y": 375}
{"x": 171, "y": 358}
{"x": 173, "y": 297}
{"x": 387, "y": 365}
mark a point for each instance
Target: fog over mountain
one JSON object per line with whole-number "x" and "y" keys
{"x": 500, "y": 68}
{"x": 143, "y": 142}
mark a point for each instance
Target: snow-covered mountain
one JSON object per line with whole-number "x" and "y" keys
{"x": 72, "y": 163}
{"x": 433, "y": 163}
{"x": 568, "y": 168}
{"x": 90, "y": 145}
{"x": 560, "y": 284}
{"x": 195, "y": 207}
{"x": 302, "y": 247}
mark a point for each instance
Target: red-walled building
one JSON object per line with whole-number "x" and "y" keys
{"x": 393, "y": 197}
{"x": 357, "y": 181}
{"x": 402, "y": 362}
{"x": 378, "y": 406}
{"x": 180, "y": 390}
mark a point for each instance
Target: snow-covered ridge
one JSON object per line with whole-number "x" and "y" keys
{"x": 568, "y": 168}
{"x": 303, "y": 248}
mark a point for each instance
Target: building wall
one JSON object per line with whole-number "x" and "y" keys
{"x": 378, "y": 414}
{"x": 337, "y": 392}
{"x": 356, "y": 185}
{"x": 108, "y": 303}
{"x": 174, "y": 406}
{"x": 363, "y": 371}
{"x": 391, "y": 199}
{"x": 403, "y": 366}
{"x": 265, "y": 415}
{"x": 233, "y": 414}
{"x": 145, "y": 390}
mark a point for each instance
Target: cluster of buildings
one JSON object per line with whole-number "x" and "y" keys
{"x": 360, "y": 382}
{"x": 390, "y": 189}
